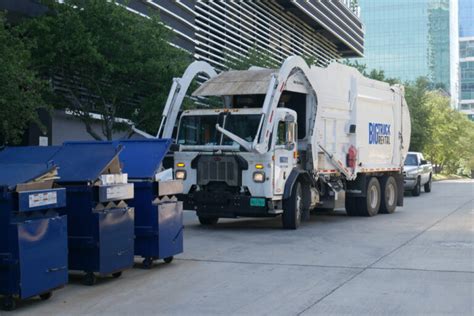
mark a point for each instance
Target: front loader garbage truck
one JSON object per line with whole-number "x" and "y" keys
{"x": 286, "y": 141}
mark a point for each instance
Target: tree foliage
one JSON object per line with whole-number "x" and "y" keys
{"x": 20, "y": 88}
{"x": 105, "y": 60}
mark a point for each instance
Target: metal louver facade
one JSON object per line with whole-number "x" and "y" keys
{"x": 322, "y": 30}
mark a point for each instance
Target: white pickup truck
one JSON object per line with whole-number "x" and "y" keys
{"x": 417, "y": 172}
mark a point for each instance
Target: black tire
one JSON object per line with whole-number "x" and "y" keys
{"x": 208, "y": 221}
{"x": 168, "y": 259}
{"x": 293, "y": 208}
{"x": 46, "y": 296}
{"x": 147, "y": 263}
{"x": 89, "y": 279}
{"x": 388, "y": 202}
{"x": 8, "y": 303}
{"x": 117, "y": 275}
{"x": 351, "y": 206}
{"x": 370, "y": 205}
{"x": 417, "y": 189}
{"x": 427, "y": 186}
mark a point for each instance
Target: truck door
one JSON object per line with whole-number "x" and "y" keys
{"x": 284, "y": 153}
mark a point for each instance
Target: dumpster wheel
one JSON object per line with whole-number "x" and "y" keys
{"x": 168, "y": 259}
{"x": 147, "y": 263}
{"x": 117, "y": 275}
{"x": 46, "y": 296}
{"x": 89, "y": 279}
{"x": 8, "y": 303}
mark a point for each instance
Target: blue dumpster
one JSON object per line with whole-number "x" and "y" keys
{"x": 158, "y": 214}
{"x": 100, "y": 223}
{"x": 33, "y": 236}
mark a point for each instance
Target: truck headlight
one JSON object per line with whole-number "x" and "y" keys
{"x": 259, "y": 176}
{"x": 180, "y": 175}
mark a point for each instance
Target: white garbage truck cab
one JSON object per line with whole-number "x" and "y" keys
{"x": 286, "y": 141}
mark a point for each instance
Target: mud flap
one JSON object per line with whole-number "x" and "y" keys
{"x": 400, "y": 188}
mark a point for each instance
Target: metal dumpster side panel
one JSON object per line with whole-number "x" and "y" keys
{"x": 170, "y": 229}
{"x": 83, "y": 229}
{"x": 116, "y": 238}
{"x": 146, "y": 220}
{"x": 158, "y": 227}
{"x": 9, "y": 269}
{"x": 42, "y": 251}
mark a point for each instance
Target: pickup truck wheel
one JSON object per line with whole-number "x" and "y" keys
{"x": 417, "y": 189}
{"x": 370, "y": 205}
{"x": 427, "y": 186}
{"x": 293, "y": 208}
{"x": 208, "y": 221}
{"x": 388, "y": 203}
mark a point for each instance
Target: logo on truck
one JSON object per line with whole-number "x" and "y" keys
{"x": 379, "y": 133}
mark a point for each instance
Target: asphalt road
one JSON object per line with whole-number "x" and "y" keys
{"x": 419, "y": 260}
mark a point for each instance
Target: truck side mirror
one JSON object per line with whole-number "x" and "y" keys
{"x": 423, "y": 162}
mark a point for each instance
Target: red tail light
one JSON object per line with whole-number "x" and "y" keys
{"x": 351, "y": 157}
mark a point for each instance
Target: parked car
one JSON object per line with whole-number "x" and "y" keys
{"x": 417, "y": 172}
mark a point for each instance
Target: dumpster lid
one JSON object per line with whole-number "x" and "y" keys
{"x": 12, "y": 174}
{"x": 86, "y": 161}
{"x": 28, "y": 154}
{"x": 142, "y": 158}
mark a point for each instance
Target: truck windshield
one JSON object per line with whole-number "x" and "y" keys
{"x": 201, "y": 129}
{"x": 244, "y": 126}
{"x": 410, "y": 160}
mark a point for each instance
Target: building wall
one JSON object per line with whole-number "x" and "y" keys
{"x": 410, "y": 38}
{"x": 466, "y": 55}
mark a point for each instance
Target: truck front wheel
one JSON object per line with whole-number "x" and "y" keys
{"x": 293, "y": 208}
{"x": 388, "y": 203}
{"x": 207, "y": 220}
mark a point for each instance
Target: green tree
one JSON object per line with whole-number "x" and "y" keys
{"x": 415, "y": 96}
{"x": 450, "y": 140}
{"x": 20, "y": 88}
{"x": 106, "y": 60}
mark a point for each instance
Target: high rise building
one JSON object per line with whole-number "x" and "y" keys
{"x": 412, "y": 38}
{"x": 466, "y": 57}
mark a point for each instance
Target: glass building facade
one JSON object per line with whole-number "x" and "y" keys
{"x": 408, "y": 39}
{"x": 466, "y": 57}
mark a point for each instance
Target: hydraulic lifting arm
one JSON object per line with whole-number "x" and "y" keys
{"x": 176, "y": 96}
{"x": 292, "y": 65}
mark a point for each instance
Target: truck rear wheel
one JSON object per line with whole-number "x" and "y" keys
{"x": 293, "y": 208}
{"x": 368, "y": 205}
{"x": 388, "y": 203}
{"x": 371, "y": 205}
{"x": 208, "y": 221}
